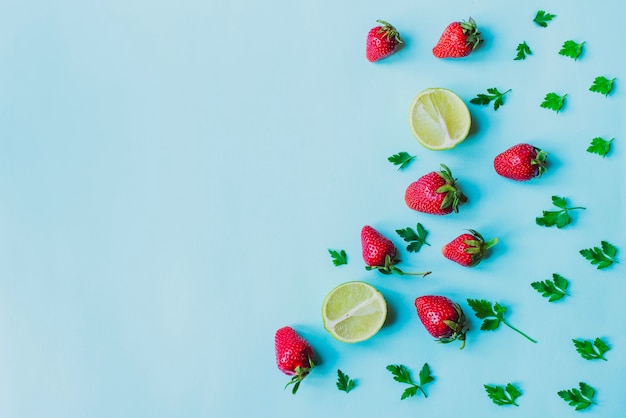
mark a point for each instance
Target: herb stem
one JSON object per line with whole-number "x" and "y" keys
{"x": 517, "y": 330}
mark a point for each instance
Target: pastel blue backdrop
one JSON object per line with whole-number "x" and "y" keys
{"x": 172, "y": 174}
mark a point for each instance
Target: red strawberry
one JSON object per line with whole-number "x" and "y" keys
{"x": 382, "y": 41}
{"x": 379, "y": 253}
{"x": 294, "y": 356}
{"x": 436, "y": 193}
{"x": 458, "y": 40}
{"x": 442, "y": 318}
{"x": 521, "y": 162}
{"x": 467, "y": 249}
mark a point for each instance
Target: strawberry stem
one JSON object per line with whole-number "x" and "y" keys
{"x": 403, "y": 273}
{"x": 300, "y": 374}
{"x": 390, "y": 267}
{"x": 517, "y": 330}
{"x": 491, "y": 243}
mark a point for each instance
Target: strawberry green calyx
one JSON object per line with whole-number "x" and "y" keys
{"x": 478, "y": 246}
{"x": 299, "y": 374}
{"x": 389, "y": 31}
{"x": 540, "y": 161}
{"x": 472, "y": 35}
{"x": 459, "y": 328}
{"x": 390, "y": 267}
{"x": 453, "y": 193}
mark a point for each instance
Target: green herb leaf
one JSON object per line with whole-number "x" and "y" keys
{"x": 554, "y": 102}
{"x": 523, "y": 50}
{"x": 409, "y": 392}
{"x": 602, "y": 257}
{"x": 542, "y": 18}
{"x": 592, "y": 350}
{"x": 554, "y": 289}
{"x": 401, "y": 374}
{"x": 401, "y": 159}
{"x": 482, "y": 308}
{"x": 339, "y": 257}
{"x": 493, "y": 315}
{"x": 503, "y": 395}
{"x": 493, "y": 94}
{"x": 559, "y": 218}
{"x": 580, "y": 399}
{"x": 416, "y": 238}
{"x": 602, "y": 85}
{"x": 425, "y": 375}
{"x": 344, "y": 382}
{"x": 572, "y": 49}
{"x": 600, "y": 146}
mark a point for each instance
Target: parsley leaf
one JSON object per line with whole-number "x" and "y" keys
{"x": 401, "y": 374}
{"x": 602, "y": 256}
{"x": 493, "y": 94}
{"x": 600, "y": 146}
{"x": 542, "y": 18}
{"x": 572, "y": 49}
{"x": 553, "y": 101}
{"x": 522, "y": 51}
{"x": 416, "y": 238}
{"x": 602, "y": 85}
{"x": 560, "y": 218}
{"x": 554, "y": 289}
{"x": 580, "y": 399}
{"x": 493, "y": 315}
{"x": 344, "y": 382}
{"x": 592, "y": 350}
{"x": 503, "y": 395}
{"x": 339, "y": 257}
{"x": 402, "y": 159}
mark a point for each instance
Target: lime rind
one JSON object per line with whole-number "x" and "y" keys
{"x": 354, "y": 312}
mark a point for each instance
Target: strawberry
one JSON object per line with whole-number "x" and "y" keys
{"x": 294, "y": 356}
{"x": 521, "y": 162}
{"x": 458, "y": 40}
{"x": 379, "y": 253}
{"x": 436, "y": 193}
{"x": 382, "y": 41}
{"x": 467, "y": 249}
{"x": 442, "y": 318}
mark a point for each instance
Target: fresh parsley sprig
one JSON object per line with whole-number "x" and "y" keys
{"x": 559, "y": 218}
{"x": 344, "y": 383}
{"x": 580, "y": 399}
{"x": 503, "y": 395}
{"x": 600, "y": 146}
{"x": 493, "y": 94}
{"x": 602, "y": 257}
{"x": 339, "y": 257}
{"x": 401, "y": 159}
{"x": 554, "y": 289}
{"x": 592, "y": 350}
{"x": 602, "y": 85}
{"x": 542, "y": 18}
{"x": 416, "y": 238}
{"x": 401, "y": 374}
{"x": 572, "y": 49}
{"x": 554, "y": 102}
{"x": 523, "y": 50}
{"x": 493, "y": 315}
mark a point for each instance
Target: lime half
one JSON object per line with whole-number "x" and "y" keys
{"x": 439, "y": 119}
{"x": 354, "y": 311}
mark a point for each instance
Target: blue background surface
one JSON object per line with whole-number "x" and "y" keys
{"x": 172, "y": 174}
